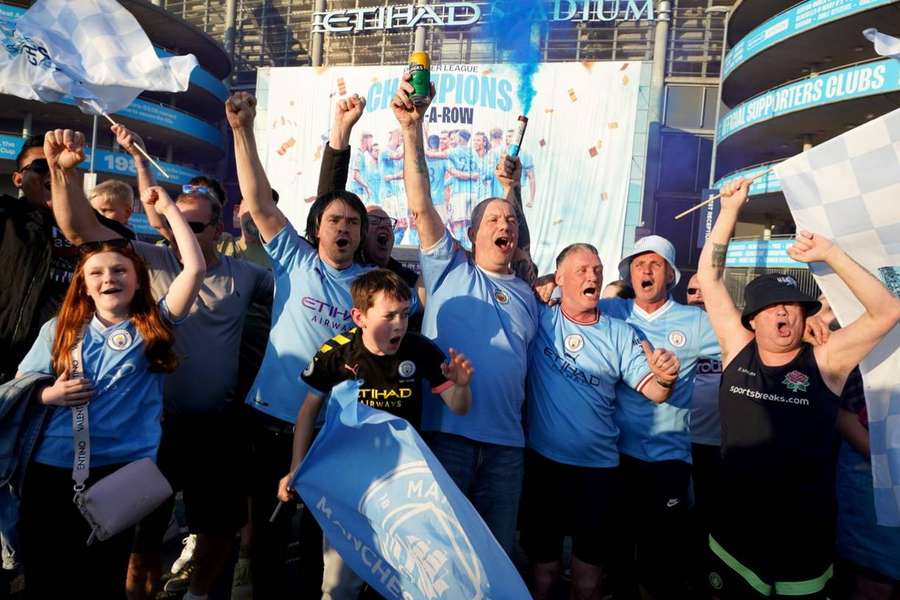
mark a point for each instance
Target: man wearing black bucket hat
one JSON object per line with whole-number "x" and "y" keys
{"x": 773, "y": 534}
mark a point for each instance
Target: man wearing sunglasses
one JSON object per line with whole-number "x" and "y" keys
{"x": 36, "y": 261}
{"x": 202, "y": 426}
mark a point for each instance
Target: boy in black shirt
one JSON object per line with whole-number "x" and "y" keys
{"x": 390, "y": 365}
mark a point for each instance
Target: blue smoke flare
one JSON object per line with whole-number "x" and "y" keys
{"x": 510, "y": 27}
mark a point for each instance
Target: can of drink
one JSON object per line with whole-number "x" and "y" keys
{"x": 420, "y": 77}
{"x": 516, "y": 142}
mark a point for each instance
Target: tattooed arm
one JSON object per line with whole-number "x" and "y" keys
{"x": 415, "y": 168}
{"x": 723, "y": 314}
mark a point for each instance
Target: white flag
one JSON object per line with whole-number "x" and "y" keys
{"x": 885, "y": 45}
{"x": 847, "y": 189}
{"x": 93, "y": 50}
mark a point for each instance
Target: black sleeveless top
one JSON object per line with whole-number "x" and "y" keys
{"x": 778, "y": 428}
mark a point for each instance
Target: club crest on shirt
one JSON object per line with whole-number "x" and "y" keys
{"x": 677, "y": 338}
{"x": 501, "y": 297}
{"x": 119, "y": 340}
{"x": 406, "y": 368}
{"x": 574, "y": 342}
{"x": 796, "y": 381}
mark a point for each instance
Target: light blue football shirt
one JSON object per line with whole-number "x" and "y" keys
{"x": 573, "y": 370}
{"x": 654, "y": 432}
{"x": 437, "y": 170}
{"x": 462, "y": 159}
{"x": 312, "y": 303}
{"x": 390, "y": 166}
{"x": 124, "y": 413}
{"x": 371, "y": 172}
{"x": 357, "y": 163}
{"x": 491, "y": 319}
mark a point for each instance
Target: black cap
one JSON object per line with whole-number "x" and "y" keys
{"x": 774, "y": 288}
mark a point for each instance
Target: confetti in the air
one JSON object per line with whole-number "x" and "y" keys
{"x": 542, "y": 143}
{"x": 592, "y": 151}
{"x": 286, "y": 146}
{"x": 572, "y": 95}
{"x": 613, "y": 125}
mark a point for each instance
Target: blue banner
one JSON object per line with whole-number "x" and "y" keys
{"x": 867, "y": 79}
{"x": 389, "y": 508}
{"x": 767, "y": 184}
{"x": 106, "y": 161}
{"x": 139, "y": 224}
{"x": 761, "y": 253}
{"x": 797, "y": 19}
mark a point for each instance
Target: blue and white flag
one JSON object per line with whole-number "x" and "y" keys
{"x": 885, "y": 45}
{"x": 846, "y": 189}
{"x": 93, "y": 50}
{"x": 392, "y": 512}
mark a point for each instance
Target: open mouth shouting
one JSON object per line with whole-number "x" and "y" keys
{"x": 504, "y": 243}
{"x": 783, "y": 329}
{"x": 646, "y": 284}
{"x": 592, "y": 292}
{"x": 382, "y": 240}
{"x": 111, "y": 291}
{"x": 342, "y": 243}
{"x": 395, "y": 341}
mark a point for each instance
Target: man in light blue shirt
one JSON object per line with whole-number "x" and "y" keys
{"x": 475, "y": 305}
{"x": 312, "y": 303}
{"x": 359, "y": 180}
{"x": 655, "y": 439}
{"x": 571, "y": 475}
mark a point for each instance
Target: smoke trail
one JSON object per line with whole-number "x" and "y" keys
{"x": 509, "y": 26}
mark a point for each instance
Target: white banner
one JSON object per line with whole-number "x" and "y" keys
{"x": 577, "y": 152}
{"x": 847, "y": 189}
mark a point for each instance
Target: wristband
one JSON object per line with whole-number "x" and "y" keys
{"x": 665, "y": 384}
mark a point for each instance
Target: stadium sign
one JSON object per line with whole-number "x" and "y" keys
{"x": 404, "y": 16}
{"x": 460, "y": 14}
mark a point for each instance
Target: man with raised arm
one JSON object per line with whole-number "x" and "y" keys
{"x": 773, "y": 531}
{"x": 312, "y": 303}
{"x": 477, "y": 305}
{"x": 194, "y": 402}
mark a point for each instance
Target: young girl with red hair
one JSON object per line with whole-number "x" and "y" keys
{"x": 127, "y": 346}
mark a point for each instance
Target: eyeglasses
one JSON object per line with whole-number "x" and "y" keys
{"x": 198, "y": 227}
{"x": 693, "y": 291}
{"x": 38, "y": 165}
{"x": 376, "y": 221}
{"x": 187, "y": 188}
{"x": 88, "y": 247}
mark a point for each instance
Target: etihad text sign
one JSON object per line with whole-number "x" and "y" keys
{"x": 459, "y": 14}
{"x": 405, "y": 16}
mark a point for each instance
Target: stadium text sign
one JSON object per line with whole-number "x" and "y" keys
{"x": 404, "y": 16}
{"x": 458, "y": 14}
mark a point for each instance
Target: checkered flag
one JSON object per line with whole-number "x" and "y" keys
{"x": 93, "y": 50}
{"x": 848, "y": 189}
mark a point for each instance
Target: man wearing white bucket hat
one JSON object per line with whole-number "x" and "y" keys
{"x": 655, "y": 439}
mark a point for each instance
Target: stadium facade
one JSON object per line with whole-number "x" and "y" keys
{"x": 682, "y": 38}
{"x": 794, "y": 75}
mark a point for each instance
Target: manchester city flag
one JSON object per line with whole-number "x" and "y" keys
{"x": 390, "y": 509}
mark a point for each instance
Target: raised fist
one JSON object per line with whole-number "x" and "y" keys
{"x": 64, "y": 148}
{"x": 240, "y": 110}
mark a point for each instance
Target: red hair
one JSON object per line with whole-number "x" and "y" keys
{"x": 78, "y": 308}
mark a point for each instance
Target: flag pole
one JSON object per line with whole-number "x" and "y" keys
{"x": 717, "y": 196}
{"x": 93, "y": 143}
{"x": 138, "y": 146}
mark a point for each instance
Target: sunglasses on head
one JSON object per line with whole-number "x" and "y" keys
{"x": 376, "y": 221}
{"x": 693, "y": 291}
{"x": 38, "y": 165}
{"x": 88, "y": 247}
{"x": 187, "y": 188}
